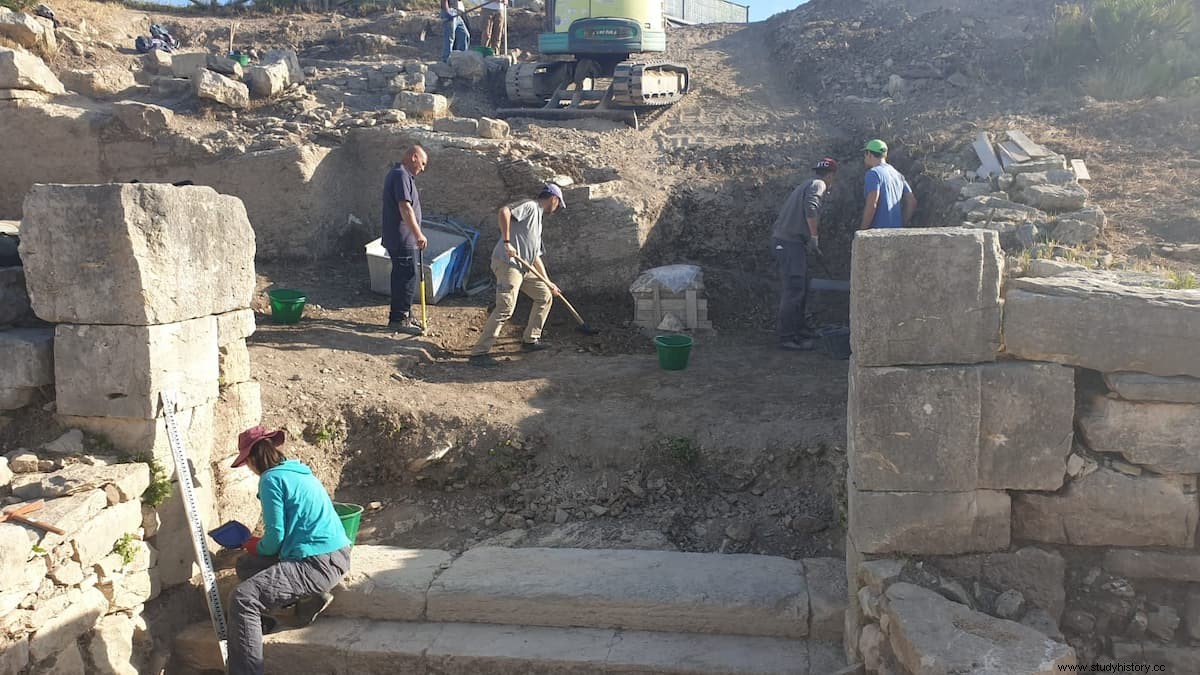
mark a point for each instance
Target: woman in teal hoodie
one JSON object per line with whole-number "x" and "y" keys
{"x": 302, "y": 554}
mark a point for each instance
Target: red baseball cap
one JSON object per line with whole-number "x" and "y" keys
{"x": 249, "y": 437}
{"x": 826, "y": 163}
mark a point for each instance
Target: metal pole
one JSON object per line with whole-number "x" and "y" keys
{"x": 504, "y": 39}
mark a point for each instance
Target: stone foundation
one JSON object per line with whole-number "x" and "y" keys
{"x": 981, "y": 524}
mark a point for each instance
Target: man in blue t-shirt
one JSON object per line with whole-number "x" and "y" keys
{"x": 890, "y": 200}
{"x": 402, "y": 237}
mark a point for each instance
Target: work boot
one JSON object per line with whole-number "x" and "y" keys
{"x": 483, "y": 360}
{"x": 308, "y": 609}
{"x": 409, "y": 326}
{"x": 797, "y": 345}
{"x": 535, "y": 346}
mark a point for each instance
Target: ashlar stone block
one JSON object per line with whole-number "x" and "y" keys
{"x": 1103, "y": 325}
{"x": 120, "y": 371}
{"x": 1109, "y": 508}
{"x": 1163, "y": 437}
{"x": 135, "y": 254}
{"x": 939, "y": 523}
{"x": 947, "y": 312}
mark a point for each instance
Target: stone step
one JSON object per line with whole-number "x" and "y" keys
{"x": 612, "y": 589}
{"x": 354, "y": 646}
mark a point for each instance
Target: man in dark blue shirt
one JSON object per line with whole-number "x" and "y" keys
{"x": 402, "y": 236}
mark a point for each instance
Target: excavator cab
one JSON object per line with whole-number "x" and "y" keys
{"x": 592, "y": 74}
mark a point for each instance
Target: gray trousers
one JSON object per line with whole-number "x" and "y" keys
{"x": 269, "y": 582}
{"x": 792, "y": 258}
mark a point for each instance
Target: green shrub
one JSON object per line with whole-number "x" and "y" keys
{"x": 126, "y": 547}
{"x": 1123, "y": 49}
{"x": 17, "y": 5}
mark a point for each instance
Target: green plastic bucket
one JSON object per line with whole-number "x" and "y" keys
{"x": 483, "y": 51}
{"x": 351, "y": 517}
{"x": 673, "y": 351}
{"x": 286, "y": 305}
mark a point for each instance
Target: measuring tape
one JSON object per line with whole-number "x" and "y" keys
{"x": 184, "y": 473}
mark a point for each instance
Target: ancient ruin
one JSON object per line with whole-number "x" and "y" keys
{"x": 1000, "y": 479}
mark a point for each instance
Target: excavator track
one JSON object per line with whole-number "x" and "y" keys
{"x": 638, "y": 84}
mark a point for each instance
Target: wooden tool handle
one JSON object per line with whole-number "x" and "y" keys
{"x": 546, "y": 281}
{"x": 34, "y": 523}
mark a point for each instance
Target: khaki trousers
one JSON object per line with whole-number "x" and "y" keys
{"x": 509, "y": 281}
{"x": 493, "y": 30}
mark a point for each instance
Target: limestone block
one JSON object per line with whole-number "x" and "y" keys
{"x": 1025, "y": 427}
{"x": 15, "y": 551}
{"x": 187, "y": 64}
{"x": 136, "y": 435}
{"x": 236, "y": 492}
{"x": 1143, "y": 387}
{"x": 468, "y": 65}
{"x": 68, "y": 662}
{"x": 1093, "y": 215}
{"x": 950, "y": 313}
{"x": 14, "y": 299}
{"x": 1103, "y": 325}
{"x": 422, "y": 105}
{"x": 6, "y": 474}
{"x": 15, "y": 398}
{"x": 1051, "y": 177}
{"x": 120, "y": 371}
{"x": 931, "y": 635}
{"x": 238, "y": 409}
{"x": 158, "y": 62}
{"x": 387, "y": 583}
{"x": 957, "y": 428}
{"x": 934, "y": 523}
{"x": 1051, "y": 163}
{"x": 21, "y": 70}
{"x": 235, "y": 325}
{"x": 14, "y": 654}
{"x": 1036, "y": 573}
{"x": 111, "y": 646}
{"x": 144, "y": 118}
{"x": 288, "y": 57}
{"x": 147, "y": 253}
{"x": 71, "y": 514}
{"x": 127, "y": 591}
{"x": 22, "y": 461}
{"x": 66, "y": 624}
{"x": 106, "y": 529}
{"x": 1173, "y": 659}
{"x": 216, "y": 87}
{"x": 24, "y": 29}
{"x": 493, "y": 128}
{"x": 1163, "y": 437}
{"x": 15, "y": 590}
{"x": 1042, "y": 267}
{"x": 176, "y": 556}
{"x": 1071, "y": 232}
{"x": 28, "y": 357}
{"x": 466, "y": 126}
{"x": 224, "y": 66}
{"x": 997, "y": 206}
{"x": 23, "y": 95}
{"x": 637, "y": 590}
{"x": 827, "y": 589}
{"x": 914, "y": 429}
{"x": 1153, "y": 565}
{"x": 233, "y": 363}
{"x": 129, "y": 480}
{"x": 267, "y": 81}
{"x": 99, "y": 83}
{"x": 1054, "y": 198}
{"x": 1109, "y": 508}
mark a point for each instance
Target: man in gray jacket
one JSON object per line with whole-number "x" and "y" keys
{"x": 794, "y": 236}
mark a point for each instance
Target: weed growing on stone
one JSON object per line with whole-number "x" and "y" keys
{"x": 160, "y": 484}
{"x": 680, "y": 451}
{"x": 1181, "y": 281}
{"x": 126, "y": 548}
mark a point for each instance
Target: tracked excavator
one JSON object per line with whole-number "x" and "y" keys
{"x": 591, "y": 73}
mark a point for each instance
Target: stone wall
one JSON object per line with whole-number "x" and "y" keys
{"x": 1023, "y": 462}
{"x": 149, "y": 293}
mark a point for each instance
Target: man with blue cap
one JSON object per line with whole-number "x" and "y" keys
{"x": 520, "y": 243}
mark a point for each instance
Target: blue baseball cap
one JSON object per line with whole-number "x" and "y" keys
{"x": 553, "y": 189}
